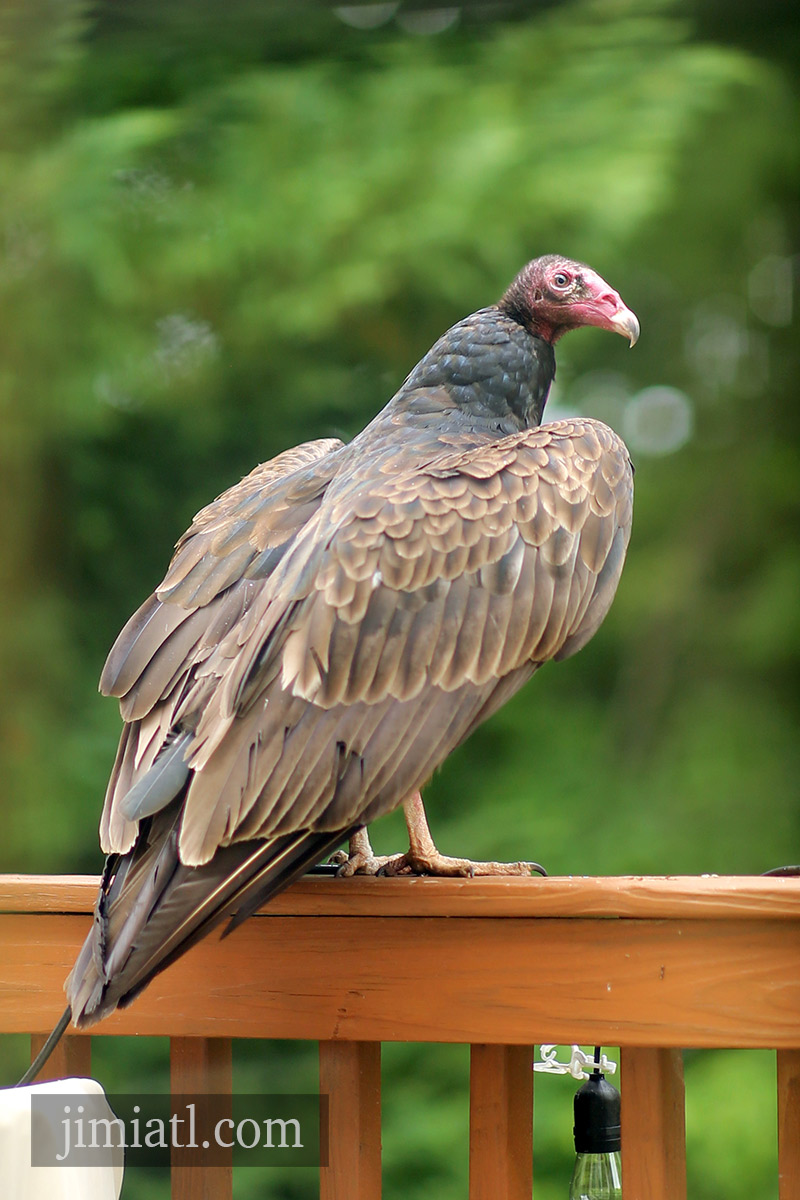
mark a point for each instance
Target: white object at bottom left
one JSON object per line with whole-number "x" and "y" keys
{"x": 32, "y": 1122}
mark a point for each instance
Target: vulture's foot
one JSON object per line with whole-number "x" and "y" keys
{"x": 431, "y": 862}
{"x": 360, "y": 859}
{"x": 423, "y": 858}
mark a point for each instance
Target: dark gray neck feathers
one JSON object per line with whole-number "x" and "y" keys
{"x": 491, "y": 368}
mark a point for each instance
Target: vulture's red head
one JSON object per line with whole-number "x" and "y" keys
{"x": 552, "y": 295}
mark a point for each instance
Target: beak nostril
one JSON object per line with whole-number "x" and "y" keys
{"x": 612, "y": 299}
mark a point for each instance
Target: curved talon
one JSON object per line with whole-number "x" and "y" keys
{"x": 404, "y": 864}
{"x": 396, "y": 864}
{"x": 347, "y": 864}
{"x": 389, "y": 869}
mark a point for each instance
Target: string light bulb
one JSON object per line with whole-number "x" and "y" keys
{"x": 597, "y": 1174}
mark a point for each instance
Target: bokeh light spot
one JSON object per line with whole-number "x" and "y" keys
{"x": 658, "y": 420}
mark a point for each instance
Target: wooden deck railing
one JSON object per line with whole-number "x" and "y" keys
{"x": 651, "y": 965}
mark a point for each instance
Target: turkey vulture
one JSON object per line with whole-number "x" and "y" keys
{"x": 330, "y": 628}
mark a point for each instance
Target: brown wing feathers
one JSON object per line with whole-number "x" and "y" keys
{"x": 467, "y": 570}
{"x": 381, "y": 632}
{"x": 460, "y": 582}
{"x": 226, "y": 543}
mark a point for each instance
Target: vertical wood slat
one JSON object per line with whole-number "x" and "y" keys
{"x": 350, "y": 1077}
{"x": 72, "y": 1057}
{"x": 501, "y": 1123}
{"x": 201, "y": 1066}
{"x": 789, "y": 1124}
{"x": 653, "y": 1124}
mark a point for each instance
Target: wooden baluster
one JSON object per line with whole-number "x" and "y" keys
{"x": 350, "y": 1077}
{"x": 653, "y": 1124}
{"x": 789, "y": 1124}
{"x": 501, "y": 1123}
{"x": 201, "y": 1066}
{"x": 72, "y": 1057}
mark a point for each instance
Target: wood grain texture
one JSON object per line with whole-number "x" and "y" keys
{"x": 653, "y": 1124}
{"x": 642, "y": 982}
{"x": 667, "y": 897}
{"x": 71, "y": 1059}
{"x": 350, "y": 1077}
{"x": 501, "y": 1122}
{"x": 789, "y": 1124}
{"x": 198, "y": 1067}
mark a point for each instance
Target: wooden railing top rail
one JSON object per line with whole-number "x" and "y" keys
{"x": 686, "y": 962}
{"x": 706, "y": 897}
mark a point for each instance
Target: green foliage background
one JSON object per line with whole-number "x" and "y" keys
{"x": 223, "y": 231}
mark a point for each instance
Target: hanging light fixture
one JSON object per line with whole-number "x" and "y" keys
{"x": 597, "y": 1173}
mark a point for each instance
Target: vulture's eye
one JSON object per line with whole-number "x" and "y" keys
{"x": 561, "y": 279}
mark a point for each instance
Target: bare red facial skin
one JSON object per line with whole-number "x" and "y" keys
{"x": 553, "y": 295}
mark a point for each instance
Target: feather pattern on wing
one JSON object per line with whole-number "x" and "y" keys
{"x": 469, "y": 566}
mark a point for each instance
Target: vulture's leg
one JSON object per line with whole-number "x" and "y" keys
{"x": 422, "y": 857}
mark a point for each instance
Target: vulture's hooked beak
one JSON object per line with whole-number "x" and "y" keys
{"x": 626, "y": 323}
{"x": 601, "y": 306}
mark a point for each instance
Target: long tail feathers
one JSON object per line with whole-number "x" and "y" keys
{"x": 151, "y": 908}
{"x": 47, "y": 1049}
